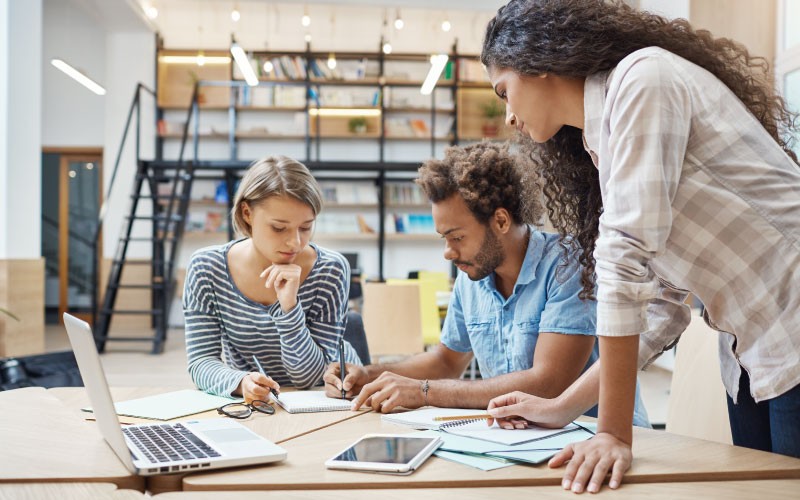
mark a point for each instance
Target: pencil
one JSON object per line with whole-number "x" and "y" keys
{"x": 484, "y": 416}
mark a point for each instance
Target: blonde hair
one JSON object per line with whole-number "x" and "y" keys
{"x": 274, "y": 176}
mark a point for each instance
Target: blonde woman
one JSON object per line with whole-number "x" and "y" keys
{"x": 272, "y": 295}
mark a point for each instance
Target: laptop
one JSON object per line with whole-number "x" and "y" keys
{"x": 151, "y": 449}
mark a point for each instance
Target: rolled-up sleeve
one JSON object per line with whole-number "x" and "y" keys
{"x": 646, "y": 128}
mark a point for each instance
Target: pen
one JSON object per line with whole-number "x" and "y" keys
{"x": 261, "y": 369}
{"x": 342, "y": 370}
{"x": 463, "y": 417}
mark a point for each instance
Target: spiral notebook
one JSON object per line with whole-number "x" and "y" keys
{"x": 310, "y": 402}
{"x": 474, "y": 428}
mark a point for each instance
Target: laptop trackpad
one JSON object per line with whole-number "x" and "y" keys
{"x": 233, "y": 435}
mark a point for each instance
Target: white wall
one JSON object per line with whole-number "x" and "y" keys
{"x": 20, "y": 123}
{"x": 669, "y": 8}
{"x": 130, "y": 59}
{"x": 71, "y": 114}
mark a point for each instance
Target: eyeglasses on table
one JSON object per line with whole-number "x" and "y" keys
{"x": 244, "y": 410}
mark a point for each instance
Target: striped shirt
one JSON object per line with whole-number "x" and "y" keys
{"x": 697, "y": 197}
{"x": 224, "y": 328}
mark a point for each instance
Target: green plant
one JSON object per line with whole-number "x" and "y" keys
{"x": 493, "y": 108}
{"x": 357, "y": 124}
{"x": 9, "y": 313}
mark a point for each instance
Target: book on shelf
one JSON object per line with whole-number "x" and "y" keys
{"x": 405, "y": 194}
{"x": 350, "y": 193}
{"x": 414, "y": 223}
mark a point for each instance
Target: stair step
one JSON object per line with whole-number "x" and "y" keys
{"x": 159, "y": 285}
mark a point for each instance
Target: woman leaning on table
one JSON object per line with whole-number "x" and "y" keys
{"x": 662, "y": 152}
{"x": 272, "y": 294}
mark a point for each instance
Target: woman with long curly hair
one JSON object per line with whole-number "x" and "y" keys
{"x": 664, "y": 154}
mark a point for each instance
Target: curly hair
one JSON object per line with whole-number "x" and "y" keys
{"x": 487, "y": 176}
{"x": 577, "y": 38}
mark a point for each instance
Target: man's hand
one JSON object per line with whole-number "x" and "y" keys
{"x": 516, "y": 410}
{"x": 255, "y": 386}
{"x": 285, "y": 279}
{"x": 356, "y": 378}
{"x": 389, "y": 391}
{"x": 590, "y": 461}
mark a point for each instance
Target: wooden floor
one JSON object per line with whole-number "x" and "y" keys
{"x": 132, "y": 365}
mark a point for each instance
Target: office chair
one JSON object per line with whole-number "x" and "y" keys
{"x": 355, "y": 334}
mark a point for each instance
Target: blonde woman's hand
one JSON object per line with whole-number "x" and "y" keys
{"x": 285, "y": 279}
{"x": 255, "y": 386}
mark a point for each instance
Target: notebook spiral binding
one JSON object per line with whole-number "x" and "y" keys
{"x": 458, "y": 423}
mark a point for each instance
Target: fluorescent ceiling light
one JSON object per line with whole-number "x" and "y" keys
{"x": 344, "y": 112}
{"x": 244, "y": 65}
{"x": 78, "y": 76}
{"x": 438, "y": 63}
{"x": 195, "y": 59}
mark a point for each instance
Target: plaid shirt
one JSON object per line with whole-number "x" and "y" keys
{"x": 697, "y": 197}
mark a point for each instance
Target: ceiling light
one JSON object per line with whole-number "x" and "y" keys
{"x": 332, "y": 60}
{"x": 201, "y": 59}
{"x": 438, "y": 63}
{"x": 398, "y": 22}
{"x": 306, "y": 20}
{"x": 78, "y": 76}
{"x": 387, "y": 48}
{"x": 236, "y": 15}
{"x": 244, "y": 65}
{"x": 151, "y": 11}
{"x": 268, "y": 67}
{"x": 307, "y": 38}
{"x": 446, "y": 25}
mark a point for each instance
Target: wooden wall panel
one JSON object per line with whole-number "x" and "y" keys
{"x": 22, "y": 293}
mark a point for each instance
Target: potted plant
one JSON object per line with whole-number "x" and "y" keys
{"x": 492, "y": 110}
{"x": 357, "y": 125}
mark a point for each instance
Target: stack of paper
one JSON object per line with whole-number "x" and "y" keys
{"x": 474, "y": 443}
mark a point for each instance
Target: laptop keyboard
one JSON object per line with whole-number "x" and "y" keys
{"x": 168, "y": 443}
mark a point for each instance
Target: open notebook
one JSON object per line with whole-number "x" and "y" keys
{"x": 476, "y": 428}
{"x": 310, "y": 402}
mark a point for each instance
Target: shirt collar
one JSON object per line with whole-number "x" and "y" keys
{"x": 594, "y": 96}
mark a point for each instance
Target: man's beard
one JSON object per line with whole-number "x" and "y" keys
{"x": 489, "y": 257}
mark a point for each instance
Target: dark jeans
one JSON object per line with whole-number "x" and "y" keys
{"x": 771, "y": 425}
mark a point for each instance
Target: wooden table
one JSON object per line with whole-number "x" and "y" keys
{"x": 278, "y": 428}
{"x": 66, "y": 491}
{"x": 43, "y": 441}
{"x": 658, "y": 457}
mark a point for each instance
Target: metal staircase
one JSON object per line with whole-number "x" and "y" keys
{"x": 165, "y": 214}
{"x": 159, "y": 199}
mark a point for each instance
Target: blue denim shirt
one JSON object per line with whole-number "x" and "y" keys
{"x": 502, "y": 333}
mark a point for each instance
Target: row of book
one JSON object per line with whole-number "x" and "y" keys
{"x": 405, "y": 194}
{"x": 351, "y": 193}
{"x": 395, "y": 223}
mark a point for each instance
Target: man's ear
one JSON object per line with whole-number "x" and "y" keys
{"x": 501, "y": 220}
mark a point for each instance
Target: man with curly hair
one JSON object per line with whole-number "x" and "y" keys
{"x": 515, "y": 305}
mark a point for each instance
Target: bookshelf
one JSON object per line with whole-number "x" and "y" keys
{"x": 367, "y": 112}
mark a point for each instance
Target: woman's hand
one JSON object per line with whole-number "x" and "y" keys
{"x": 285, "y": 279}
{"x": 255, "y": 386}
{"x": 590, "y": 461}
{"x": 516, "y": 410}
